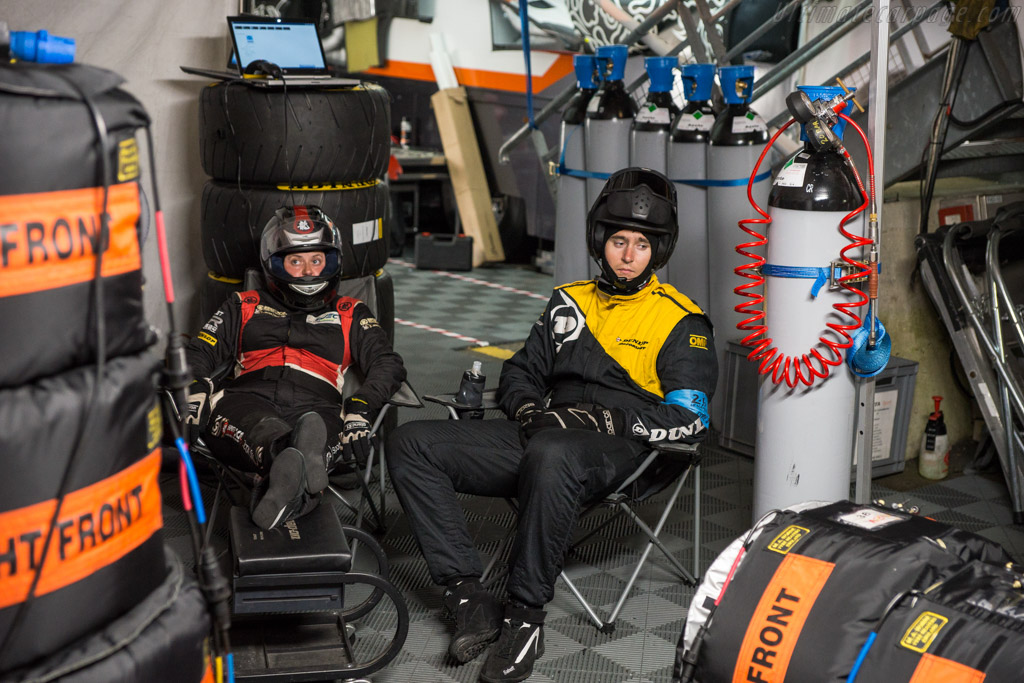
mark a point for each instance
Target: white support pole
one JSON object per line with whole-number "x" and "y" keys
{"x": 878, "y": 95}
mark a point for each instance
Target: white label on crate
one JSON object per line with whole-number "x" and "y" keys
{"x": 652, "y": 114}
{"x": 696, "y": 121}
{"x": 883, "y": 424}
{"x": 791, "y": 175}
{"x": 869, "y": 518}
{"x": 748, "y": 123}
{"x": 885, "y": 419}
{"x": 366, "y": 231}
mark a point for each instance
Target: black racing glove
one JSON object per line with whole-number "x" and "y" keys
{"x": 526, "y": 409}
{"x": 199, "y": 407}
{"x": 355, "y": 435}
{"x": 603, "y": 420}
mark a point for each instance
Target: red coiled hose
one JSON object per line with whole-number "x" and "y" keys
{"x": 791, "y": 369}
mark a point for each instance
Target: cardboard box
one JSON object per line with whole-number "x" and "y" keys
{"x": 466, "y": 170}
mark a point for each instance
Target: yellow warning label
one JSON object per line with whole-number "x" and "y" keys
{"x": 154, "y": 427}
{"x": 208, "y": 338}
{"x": 329, "y": 188}
{"x": 923, "y": 631}
{"x": 127, "y": 160}
{"x": 787, "y": 538}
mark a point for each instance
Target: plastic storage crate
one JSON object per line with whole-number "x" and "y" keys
{"x": 894, "y": 396}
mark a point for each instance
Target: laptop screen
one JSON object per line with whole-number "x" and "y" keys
{"x": 293, "y": 45}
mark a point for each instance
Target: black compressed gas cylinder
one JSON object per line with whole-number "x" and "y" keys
{"x": 970, "y": 627}
{"x": 576, "y": 110}
{"x": 815, "y": 181}
{"x": 686, "y": 128}
{"x": 813, "y": 584}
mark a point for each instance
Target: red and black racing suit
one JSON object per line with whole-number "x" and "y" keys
{"x": 650, "y": 354}
{"x": 280, "y": 364}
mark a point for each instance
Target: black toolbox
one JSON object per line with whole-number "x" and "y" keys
{"x": 443, "y": 252}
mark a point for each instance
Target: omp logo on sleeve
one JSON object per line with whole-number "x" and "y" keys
{"x": 50, "y": 239}
{"x": 932, "y": 669}
{"x": 787, "y": 538}
{"x": 780, "y": 615}
{"x": 698, "y": 341}
{"x": 923, "y": 631}
{"x": 97, "y": 525}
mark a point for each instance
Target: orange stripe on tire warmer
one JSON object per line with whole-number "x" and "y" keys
{"x": 775, "y": 627}
{"x": 97, "y": 525}
{"x": 932, "y": 669}
{"x": 48, "y": 239}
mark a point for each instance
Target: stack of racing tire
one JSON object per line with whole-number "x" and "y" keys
{"x": 264, "y": 148}
{"x": 850, "y": 593}
{"x": 88, "y": 590}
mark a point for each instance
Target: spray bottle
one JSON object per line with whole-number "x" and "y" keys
{"x": 933, "y": 462}
{"x": 471, "y": 393}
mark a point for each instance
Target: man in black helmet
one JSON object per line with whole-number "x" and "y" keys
{"x": 613, "y": 366}
{"x": 279, "y": 412}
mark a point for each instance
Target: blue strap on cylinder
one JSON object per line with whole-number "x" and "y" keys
{"x": 577, "y": 173}
{"x": 704, "y": 182}
{"x": 524, "y": 27}
{"x": 865, "y": 362}
{"x": 691, "y": 399}
{"x": 819, "y": 275}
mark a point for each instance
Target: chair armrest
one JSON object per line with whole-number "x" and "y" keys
{"x": 686, "y": 452}
{"x": 688, "y": 448}
{"x": 405, "y": 397}
{"x": 489, "y": 402}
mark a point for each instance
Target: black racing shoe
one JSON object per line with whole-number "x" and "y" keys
{"x": 520, "y": 644}
{"x": 310, "y": 438}
{"x": 285, "y": 497}
{"x": 477, "y": 616}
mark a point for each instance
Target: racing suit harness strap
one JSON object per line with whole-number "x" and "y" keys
{"x": 297, "y": 377}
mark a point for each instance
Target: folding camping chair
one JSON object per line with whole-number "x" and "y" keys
{"x": 668, "y": 465}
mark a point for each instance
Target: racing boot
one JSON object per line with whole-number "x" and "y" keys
{"x": 519, "y": 646}
{"x": 310, "y": 438}
{"x": 281, "y": 495}
{"x": 477, "y": 616}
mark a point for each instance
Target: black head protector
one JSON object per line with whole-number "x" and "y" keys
{"x": 301, "y": 229}
{"x": 637, "y": 199}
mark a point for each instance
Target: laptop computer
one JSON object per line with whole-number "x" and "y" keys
{"x": 291, "y": 44}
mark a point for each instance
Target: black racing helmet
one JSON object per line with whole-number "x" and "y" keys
{"x": 295, "y": 229}
{"x": 637, "y": 199}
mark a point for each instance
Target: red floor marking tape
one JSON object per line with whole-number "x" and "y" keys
{"x": 447, "y": 333}
{"x": 475, "y": 281}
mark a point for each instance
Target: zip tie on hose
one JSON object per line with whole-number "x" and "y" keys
{"x": 782, "y": 367}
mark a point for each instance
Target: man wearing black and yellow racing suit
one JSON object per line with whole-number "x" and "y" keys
{"x": 613, "y": 366}
{"x": 288, "y": 350}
